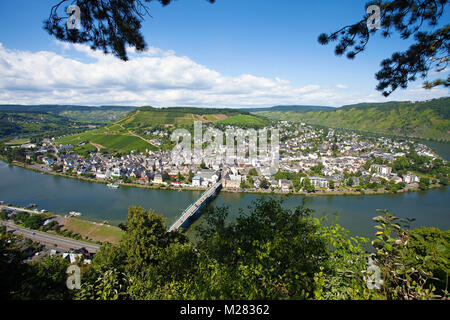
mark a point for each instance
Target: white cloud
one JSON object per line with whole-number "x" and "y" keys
{"x": 155, "y": 77}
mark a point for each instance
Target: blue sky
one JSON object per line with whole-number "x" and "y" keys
{"x": 233, "y": 53}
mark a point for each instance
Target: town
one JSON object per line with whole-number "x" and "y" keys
{"x": 311, "y": 160}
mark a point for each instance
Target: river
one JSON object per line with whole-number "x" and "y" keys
{"x": 95, "y": 201}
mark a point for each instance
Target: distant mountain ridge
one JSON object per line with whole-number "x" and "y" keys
{"x": 297, "y": 108}
{"x": 441, "y": 106}
{"x": 57, "y": 108}
{"x": 89, "y": 114}
{"x": 426, "y": 119}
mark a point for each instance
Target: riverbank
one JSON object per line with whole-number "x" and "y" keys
{"x": 98, "y": 203}
{"x": 89, "y": 231}
{"x": 339, "y": 192}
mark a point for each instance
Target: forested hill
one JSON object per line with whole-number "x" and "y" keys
{"x": 426, "y": 119}
{"x": 296, "y": 108}
{"x": 101, "y": 114}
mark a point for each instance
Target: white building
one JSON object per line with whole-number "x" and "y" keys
{"x": 382, "y": 170}
{"x": 196, "y": 181}
{"x": 411, "y": 178}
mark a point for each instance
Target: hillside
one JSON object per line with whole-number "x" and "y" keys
{"x": 103, "y": 114}
{"x": 135, "y": 130}
{"x": 426, "y": 120}
{"x": 36, "y": 125}
{"x": 297, "y": 108}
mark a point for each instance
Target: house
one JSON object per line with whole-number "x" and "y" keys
{"x": 257, "y": 183}
{"x": 273, "y": 182}
{"x": 355, "y": 181}
{"x": 209, "y": 176}
{"x": 48, "y": 161}
{"x": 196, "y": 181}
{"x": 411, "y": 178}
{"x": 285, "y": 184}
{"x": 232, "y": 181}
{"x": 116, "y": 173}
{"x": 103, "y": 174}
{"x": 78, "y": 254}
{"x": 319, "y": 182}
{"x": 382, "y": 170}
{"x": 394, "y": 177}
{"x": 158, "y": 178}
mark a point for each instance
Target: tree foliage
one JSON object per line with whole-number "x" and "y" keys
{"x": 107, "y": 25}
{"x": 417, "y": 19}
{"x": 267, "y": 252}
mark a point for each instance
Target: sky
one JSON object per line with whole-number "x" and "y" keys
{"x": 234, "y": 53}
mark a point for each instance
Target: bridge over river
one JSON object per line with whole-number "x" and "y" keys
{"x": 192, "y": 212}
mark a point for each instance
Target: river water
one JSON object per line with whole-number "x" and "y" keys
{"x": 97, "y": 202}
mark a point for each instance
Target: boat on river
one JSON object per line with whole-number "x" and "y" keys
{"x": 74, "y": 214}
{"x": 112, "y": 185}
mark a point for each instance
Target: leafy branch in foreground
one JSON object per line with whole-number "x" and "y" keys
{"x": 269, "y": 252}
{"x": 429, "y": 52}
{"x": 405, "y": 273}
{"x": 108, "y": 25}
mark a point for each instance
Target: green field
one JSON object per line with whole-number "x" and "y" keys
{"x": 121, "y": 142}
{"x": 129, "y": 132}
{"x": 17, "y": 142}
{"x": 94, "y": 231}
{"x": 245, "y": 121}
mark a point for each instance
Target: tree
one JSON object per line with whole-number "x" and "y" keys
{"x": 307, "y": 186}
{"x": 166, "y": 177}
{"x": 145, "y": 238}
{"x": 331, "y": 184}
{"x": 46, "y": 280}
{"x": 401, "y": 165}
{"x": 264, "y": 184}
{"x": 429, "y": 52}
{"x": 33, "y": 221}
{"x": 109, "y": 25}
{"x": 403, "y": 277}
{"x": 317, "y": 169}
{"x": 424, "y": 183}
{"x": 270, "y": 253}
{"x": 190, "y": 176}
{"x": 429, "y": 246}
{"x": 367, "y": 165}
{"x": 12, "y": 267}
{"x": 179, "y": 177}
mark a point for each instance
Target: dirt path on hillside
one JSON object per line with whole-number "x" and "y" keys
{"x": 142, "y": 138}
{"x": 98, "y": 146}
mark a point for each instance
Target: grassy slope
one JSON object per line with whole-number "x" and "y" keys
{"x": 127, "y": 133}
{"x": 429, "y": 120}
{"x": 120, "y": 141}
{"x": 93, "y": 230}
{"x": 94, "y": 116}
{"x": 85, "y": 114}
{"x": 35, "y": 124}
{"x": 244, "y": 120}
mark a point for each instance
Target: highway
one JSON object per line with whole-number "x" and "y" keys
{"x": 52, "y": 240}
